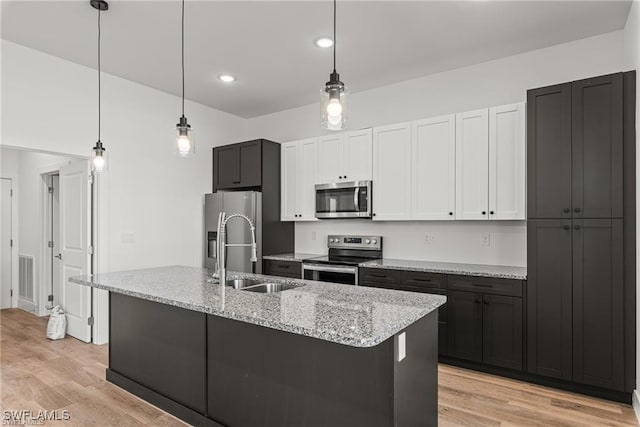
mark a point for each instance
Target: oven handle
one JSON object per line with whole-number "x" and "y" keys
{"x": 356, "y": 199}
{"x": 329, "y": 268}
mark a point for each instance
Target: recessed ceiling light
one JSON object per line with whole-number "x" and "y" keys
{"x": 323, "y": 42}
{"x": 227, "y": 78}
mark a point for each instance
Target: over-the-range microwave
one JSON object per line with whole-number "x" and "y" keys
{"x": 344, "y": 200}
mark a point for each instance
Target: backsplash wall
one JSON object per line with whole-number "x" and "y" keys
{"x": 446, "y": 241}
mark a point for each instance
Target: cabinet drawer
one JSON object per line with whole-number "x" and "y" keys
{"x": 486, "y": 285}
{"x": 379, "y": 275}
{"x": 429, "y": 280}
{"x": 282, "y": 268}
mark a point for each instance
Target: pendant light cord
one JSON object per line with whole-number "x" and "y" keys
{"x": 182, "y": 58}
{"x": 334, "y": 36}
{"x": 99, "y": 80}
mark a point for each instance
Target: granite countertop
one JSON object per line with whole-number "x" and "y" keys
{"x": 497, "y": 271}
{"x": 298, "y": 256}
{"x": 349, "y": 315}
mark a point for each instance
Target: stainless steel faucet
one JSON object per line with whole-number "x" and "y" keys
{"x": 222, "y": 243}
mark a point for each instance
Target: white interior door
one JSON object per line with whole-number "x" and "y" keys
{"x": 75, "y": 238}
{"x": 472, "y": 165}
{"x": 434, "y": 165}
{"x": 5, "y": 243}
{"x": 55, "y": 235}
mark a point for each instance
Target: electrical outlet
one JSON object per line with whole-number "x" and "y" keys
{"x": 486, "y": 240}
{"x": 430, "y": 239}
{"x": 127, "y": 238}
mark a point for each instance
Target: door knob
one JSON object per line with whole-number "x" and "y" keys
{"x": 59, "y": 256}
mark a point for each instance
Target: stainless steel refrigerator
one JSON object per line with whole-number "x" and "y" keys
{"x": 248, "y": 203}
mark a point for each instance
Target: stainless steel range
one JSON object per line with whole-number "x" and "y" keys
{"x": 345, "y": 254}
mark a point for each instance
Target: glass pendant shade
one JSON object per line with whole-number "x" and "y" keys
{"x": 333, "y": 104}
{"x": 99, "y": 158}
{"x": 185, "y": 143}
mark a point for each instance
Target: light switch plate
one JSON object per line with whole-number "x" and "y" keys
{"x": 486, "y": 240}
{"x": 402, "y": 346}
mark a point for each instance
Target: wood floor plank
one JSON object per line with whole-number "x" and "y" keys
{"x": 37, "y": 374}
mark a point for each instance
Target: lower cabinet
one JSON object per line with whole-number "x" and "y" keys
{"x": 292, "y": 269}
{"x": 464, "y": 338}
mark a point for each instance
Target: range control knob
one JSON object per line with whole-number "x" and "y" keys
{"x": 374, "y": 241}
{"x": 367, "y": 241}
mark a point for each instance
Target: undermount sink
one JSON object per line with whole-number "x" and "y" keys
{"x": 242, "y": 283}
{"x": 269, "y": 288}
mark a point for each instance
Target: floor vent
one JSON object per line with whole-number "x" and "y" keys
{"x": 25, "y": 277}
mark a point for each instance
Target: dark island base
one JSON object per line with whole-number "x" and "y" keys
{"x": 212, "y": 371}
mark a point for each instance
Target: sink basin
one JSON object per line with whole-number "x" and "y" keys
{"x": 242, "y": 283}
{"x": 269, "y": 288}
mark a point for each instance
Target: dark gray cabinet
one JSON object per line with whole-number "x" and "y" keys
{"x": 502, "y": 331}
{"x": 549, "y": 152}
{"x": 237, "y": 166}
{"x": 576, "y": 329}
{"x": 464, "y": 334}
{"x": 598, "y": 303}
{"x": 549, "y": 293}
{"x": 292, "y": 269}
{"x": 597, "y": 147}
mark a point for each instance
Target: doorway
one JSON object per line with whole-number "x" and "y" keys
{"x": 50, "y": 223}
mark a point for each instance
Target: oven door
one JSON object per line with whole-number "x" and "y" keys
{"x": 330, "y": 273}
{"x": 344, "y": 200}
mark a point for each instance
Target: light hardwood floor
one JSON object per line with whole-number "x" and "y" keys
{"x": 37, "y": 374}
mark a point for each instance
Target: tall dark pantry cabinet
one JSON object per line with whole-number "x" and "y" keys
{"x": 581, "y": 233}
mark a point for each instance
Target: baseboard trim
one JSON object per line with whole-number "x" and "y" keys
{"x": 636, "y": 403}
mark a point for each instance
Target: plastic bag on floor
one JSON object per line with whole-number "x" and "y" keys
{"x": 57, "y": 325}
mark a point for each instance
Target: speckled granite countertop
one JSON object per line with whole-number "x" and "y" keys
{"x": 291, "y": 257}
{"x": 497, "y": 271}
{"x": 350, "y": 315}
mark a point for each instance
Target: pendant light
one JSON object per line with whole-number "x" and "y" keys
{"x": 185, "y": 143}
{"x": 333, "y": 99}
{"x": 99, "y": 155}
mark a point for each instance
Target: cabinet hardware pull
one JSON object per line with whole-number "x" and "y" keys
{"x": 577, "y": 210}
{"x": 450, "y": 213}
{"x": 491, "y": 212}
{"x": 477, "y": 301}
{"x": 378, "y": 275}
{"x": 577, "y": 227}
{"x": 482, "y": 285}
{"x": 484, "y": 212}
{"x": 566, "y": 210}
{"x": 285, "y": 266}
{"x": 423, "y": 280}
{"x": 345, "y": 177}
{"x": 486, "y": 302}
{"x": 566, "y": 227}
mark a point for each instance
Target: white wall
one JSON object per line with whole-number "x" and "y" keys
{"x": 148, "y": 193}
{"x": 632, "y": 61}
{"x": 498, "y": 82}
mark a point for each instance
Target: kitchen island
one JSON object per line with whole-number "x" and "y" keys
{"x": 314, "y": 354}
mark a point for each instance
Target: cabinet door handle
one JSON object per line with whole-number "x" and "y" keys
{"x": 482, "y": 285}
{"x": 485, "y": 302}
{"x": 566, "y": 227}
{"x": 577, "y": 227}
{"x": 477, "y": 300}
{"x": 423, "y": 280}
{"x": 345, "y": 177}
{"x": 285, "y": 266}
{"x": 450, "y": 213}
{"x": 491, "y": 212}
{"x": 236, "y": 182}
{"x": 577, "y": 210}
{"x": 381, "y": 276}
{"x": 566, "y": 210}
{"x": 484, "y": 212}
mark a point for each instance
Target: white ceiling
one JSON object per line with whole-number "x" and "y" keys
{"x": 269, "y": 47}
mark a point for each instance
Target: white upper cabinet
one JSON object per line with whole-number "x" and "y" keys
{"x": 289, "y": 181}
{"x": 345, "y": 157}
{"x": 299, "y": 174}
{"x": 472, "y": 165}
{"x": 358, "y": 155}
{"x": 507, "y": 162}
{"x": 330, "y": 158}
{"x": 433, "y": 153}
{"x": 392, "y": 172}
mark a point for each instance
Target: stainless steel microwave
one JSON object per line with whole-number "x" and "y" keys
{"x": 344, "y": 200}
